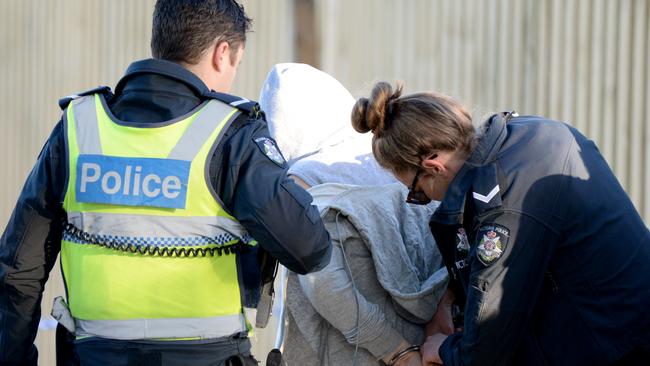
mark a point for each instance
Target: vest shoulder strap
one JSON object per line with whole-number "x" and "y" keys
{"x": 65, "y": 101}
{"x": 249, "y": 107}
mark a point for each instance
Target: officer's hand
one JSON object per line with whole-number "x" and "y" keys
{"x": 442, "y": 321}
{"x": 430, "y": 348}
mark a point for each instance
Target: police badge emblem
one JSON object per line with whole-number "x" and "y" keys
{"x": 462, "y": 243}
{"x": 493, "y": 241}
{"x": 270, "y": 149}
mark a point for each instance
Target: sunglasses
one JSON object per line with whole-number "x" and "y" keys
{"x": 417, "y": 197}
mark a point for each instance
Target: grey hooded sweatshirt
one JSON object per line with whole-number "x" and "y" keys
{"x": 382, "y": 285}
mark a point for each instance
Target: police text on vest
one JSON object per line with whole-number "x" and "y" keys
{"x": 132, "y": 181}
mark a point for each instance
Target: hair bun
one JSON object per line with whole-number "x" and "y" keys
{"x": 370, "y": 114}
{"x": 359, "y": 116}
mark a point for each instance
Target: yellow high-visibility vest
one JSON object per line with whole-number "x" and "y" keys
{"x": 145, "y": 188}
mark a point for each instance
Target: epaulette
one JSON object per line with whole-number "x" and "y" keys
{"x": 63, "y": 102}
{"x": 250, "y": 107}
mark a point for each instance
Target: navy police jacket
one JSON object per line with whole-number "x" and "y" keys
{"x": 252, "y": 186}
{"x": 545, "y": 249}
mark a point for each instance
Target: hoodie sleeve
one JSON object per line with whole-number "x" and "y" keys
{"x": 251, "y": 176}
{"x": 333, "y": 292}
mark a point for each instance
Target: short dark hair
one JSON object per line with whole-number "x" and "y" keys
{"x": 183, "y": 29}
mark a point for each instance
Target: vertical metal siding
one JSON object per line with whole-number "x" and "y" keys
{"x": 584, "y": 62}
{"x": 638, "y": 72}
{"x": 644, "y": 111}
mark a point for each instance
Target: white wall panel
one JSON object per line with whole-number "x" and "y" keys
{"x": 584, "y": 62}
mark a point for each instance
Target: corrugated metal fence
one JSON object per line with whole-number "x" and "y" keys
{"x": 581, "y": 61}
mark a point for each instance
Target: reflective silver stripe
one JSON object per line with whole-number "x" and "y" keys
{"x": 211, "y": 116}
{"x": 238, "y": 102}
{"x": 86, "y": 125}
{"x": 155, "y": 226}
{"x": 204, "y": 328}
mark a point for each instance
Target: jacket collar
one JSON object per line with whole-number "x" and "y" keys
{"x": 492, "y": 134}
{"x": 477, "y": 174}
{"x": 165, "y": 68}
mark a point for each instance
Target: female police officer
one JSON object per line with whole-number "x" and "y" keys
{"x": 547, "y": 255}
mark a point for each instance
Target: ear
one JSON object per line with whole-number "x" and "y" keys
{"x": 433, "y": 165}
{"x": 221, "y": 55}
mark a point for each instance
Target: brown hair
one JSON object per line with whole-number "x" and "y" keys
{"x": 406, "y": 128}
{"x": 183, "y": 29}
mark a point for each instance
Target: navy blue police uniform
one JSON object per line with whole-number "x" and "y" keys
{"x": 246, "y": 171}
{"x": 545, "y": 251}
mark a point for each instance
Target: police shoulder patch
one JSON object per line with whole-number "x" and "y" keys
{"x": 270, "y": 149}
{"x": 492, "y": 241}
{"x": 462, "y": 244}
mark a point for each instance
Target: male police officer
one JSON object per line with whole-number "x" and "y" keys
{"x": 162, "y": 188}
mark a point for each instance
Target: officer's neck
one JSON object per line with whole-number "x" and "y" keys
{"x": 217, "y": 66}
{"x": 204, "y": 72}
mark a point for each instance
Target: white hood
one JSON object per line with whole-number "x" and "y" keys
{"x": 308, "y": 113}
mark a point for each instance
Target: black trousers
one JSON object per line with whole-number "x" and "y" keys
{"x": 234, "y": 350}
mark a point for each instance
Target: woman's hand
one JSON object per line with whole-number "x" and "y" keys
{"x": 410, "y": 359}
{"x": 442, "y": 321}
{"x": 430, "y": 349}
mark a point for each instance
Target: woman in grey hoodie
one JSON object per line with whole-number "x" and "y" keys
{"x": 370, "y": 305}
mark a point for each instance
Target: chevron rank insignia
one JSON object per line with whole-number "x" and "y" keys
{"x": 487, "y": 198}
{"x": 493, "y": 240}
{"x": 270, "y": 149}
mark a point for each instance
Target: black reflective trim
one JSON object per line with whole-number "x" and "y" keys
{"x": 108, "y": 242}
